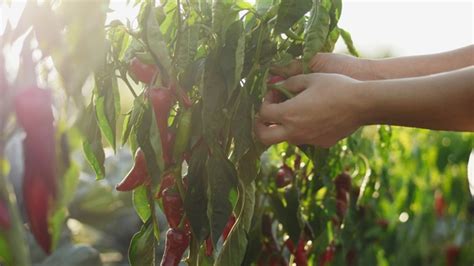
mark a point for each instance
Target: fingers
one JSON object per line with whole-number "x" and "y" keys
{"x": 270, "y": 134}
{"x": 270, "y": 112}
{"x": 295, "y": 67}
{"x": 297, "y": 84}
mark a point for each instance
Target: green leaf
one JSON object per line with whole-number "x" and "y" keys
{"x": 141, "y": 204}
{"x": 6, "y": 256}
{"x": 316, "y": 32}
{"x": 222, "y": 178}
{"x": 92, "y": 144}
{"x": 223, "y": 15}
{"x": 156, "y": 43}
{"x": 107, "y": 102}
{"x": 233, "y": 251}
{"x": 188, "y": 41}
{"x": 148, "y": 139}
{"x": 214, "y": 95}
{"x": 346, "y": 36}
{"x": 232, "y": 56}
{"x": 242, "y": 125}
{"x": 195, "y": 203}
{"x": 289, "y": 12}
{"x": 142, "y": 246}
{"x": 132, "y": 119}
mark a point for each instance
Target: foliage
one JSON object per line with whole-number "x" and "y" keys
{"x": 215, "y": 57}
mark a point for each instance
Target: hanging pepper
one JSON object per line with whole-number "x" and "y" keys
{"x": 5, "y": 222}
{"x": 228, "y": 226}
{"x": 172, "y": 207}
{"x": 209, "y": 247}
{"x": 167, "y": 180}
{"x": 343, "y": 183}
{"x": 34, "y": 114}
{"x": 183, "y": 135}
{"x": 142, "y": 72}
{"x": 439, "y": 204}
{"x": 137, "y": 176}
{"x": 328, "y": 255}
{"x": 284, "y": 176}
{"x": 301, "y": 255}
{"x": 452, "y": 253}
{"x": 162, "y": 100}
{"x": 177, "y": 241}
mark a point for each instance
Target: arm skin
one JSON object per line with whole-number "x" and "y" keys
{"x": 390, "y": 68}
{"x": 329, "y": 107}
{"x": 443, "y": 101}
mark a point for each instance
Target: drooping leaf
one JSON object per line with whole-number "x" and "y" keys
{"x": 232, "y": 56}
{"x": 346, "y": 36}
{"x": 222, "y": 177}
{"x": 195, "y": 203}
{"x": 92, "y": 144}
{"x": 233, "y": 251}
{"x": 107, "y": 103}
{"x": 156, "y": 43}
{"x": 141, "y": 204}
{"x": 142, "y": 246}
{"x": 316, "y": 31}
{"x": 289, "y": 12}
{"x": 188, "y": 41}
{"x": 223, "y": 15}
{"x": 242, "y": 125}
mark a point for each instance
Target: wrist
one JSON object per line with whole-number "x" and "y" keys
{"x": 368, "y": 111}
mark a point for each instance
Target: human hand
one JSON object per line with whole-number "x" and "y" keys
{"x": 330, "y": 63}
{"x": 326, "y": 109}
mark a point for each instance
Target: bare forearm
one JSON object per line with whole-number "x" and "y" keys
{"x": 415, "y": 66}
{"x": 442, "y": 102}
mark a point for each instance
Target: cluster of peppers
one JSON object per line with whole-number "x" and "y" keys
{"x": 174, "y": 144}
{"x": 34, "y": 114}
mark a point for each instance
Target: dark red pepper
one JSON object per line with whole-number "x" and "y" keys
{"x": 209, "y": 247}
{"x": 177, "y": 241}
{"x": 162, "y": 100}
{"x": 452, "y": 253}
{"x": 301, "y": 255}
{"x": 142, "y": 72}
{"x": 228, "y": 226}
{"x": 5, "y": 221}
{"x": 328, "y": 255}
{"x": 439, "y": 204}
{"x": 172, "y": 207}
{"x": 284, "y": 176}
{"x": 137, "y": 176}
{"x": 275, "y": 79}
{"x": 167, "y": 181}
{"x": 34, "y": 114}
{"x": 343, "y": 183}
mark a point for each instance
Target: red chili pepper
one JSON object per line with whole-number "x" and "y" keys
{"x": 172, "y": 207}
{"x": 142, "y": 72}
{"x": 301, "y": 255}
{"x": 167, "y": 181}
{"x": 343, "y": 183}
{"x": 439, "y": 203}
{"x": 328, "y": 255}
{"x": 452, "y": 253}
{"x": 5, "y": 222}
{"x": 177, "y": 241}
{"x": 137, "y": 176}
{"x": 275, "y": 79}
{"x": 162, "y": 100}
{"x": 182, "y": 96}
{"x": 228, "y": 227}
{"x": 34, "y": 114}
{"x": 284, "y": 176}
{"x": 38, "y": 203}
{"x": 209, "y": 247}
